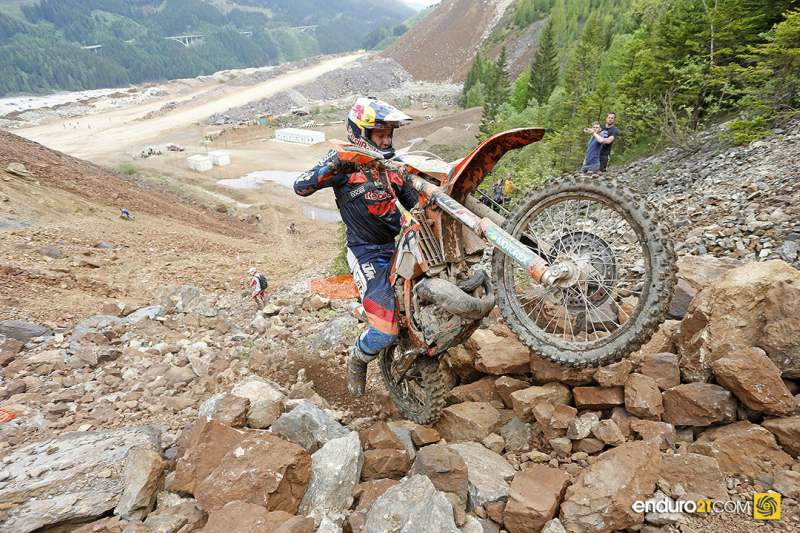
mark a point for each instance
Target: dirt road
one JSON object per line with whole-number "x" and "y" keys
{"x": 125, "y": 130}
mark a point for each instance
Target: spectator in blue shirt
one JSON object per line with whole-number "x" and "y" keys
{"x": 591, "y": 161}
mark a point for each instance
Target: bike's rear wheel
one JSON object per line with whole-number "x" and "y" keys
{"x": 621, "y": 264}
{"x": 419, "y": 392}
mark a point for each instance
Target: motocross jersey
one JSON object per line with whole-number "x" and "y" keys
{"x": 366, "y": 200}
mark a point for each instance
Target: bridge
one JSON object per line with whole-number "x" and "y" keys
{"x": 187, "y": 40}
{"x": 93, "y": 47}
{"x": 197, "y": 38}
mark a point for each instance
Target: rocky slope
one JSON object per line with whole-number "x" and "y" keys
{"x": 442, "y": 46}
{"x": 739, "y": 202}
{"x": 196, "y": 412}
{"x": 150, "y": 421}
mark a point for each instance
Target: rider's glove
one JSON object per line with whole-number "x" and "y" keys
{"x": 337, "y": 166}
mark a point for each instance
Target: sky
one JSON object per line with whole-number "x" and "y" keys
{"x": 419, "y": 4}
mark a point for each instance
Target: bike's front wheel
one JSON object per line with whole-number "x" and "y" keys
{"x": 620, "y": 268}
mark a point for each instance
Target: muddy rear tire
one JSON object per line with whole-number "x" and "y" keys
{"x": 657, "y": 256}
{"x": 420, "y": 395}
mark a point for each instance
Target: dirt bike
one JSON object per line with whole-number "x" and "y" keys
{"x": 581, "y": 269}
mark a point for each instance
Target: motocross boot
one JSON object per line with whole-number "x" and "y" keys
{"x": 357, "y": 370}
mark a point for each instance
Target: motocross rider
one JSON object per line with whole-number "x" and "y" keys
{"x": 366, "y": 202}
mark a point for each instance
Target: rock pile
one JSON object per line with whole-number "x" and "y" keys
{"x": 737, "y": 202}
{"x": 707, "y": 409}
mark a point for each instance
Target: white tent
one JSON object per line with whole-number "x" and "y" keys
{"x": 296, "y": 135}
{"x": 200, "y": 163}
{"x": 220, "y": 157}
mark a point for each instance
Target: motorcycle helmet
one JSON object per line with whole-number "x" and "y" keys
{"x": 369, "y": 113}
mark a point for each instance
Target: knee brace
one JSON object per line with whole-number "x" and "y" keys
{"x": 373, "y": 341}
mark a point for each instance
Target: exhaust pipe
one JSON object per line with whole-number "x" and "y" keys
{"x": 454, "y": 300}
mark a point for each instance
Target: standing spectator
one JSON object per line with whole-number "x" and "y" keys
{"x": 497, "y": 192}
{"x": 611, "y": 133}
{"x": 591, "y": 161}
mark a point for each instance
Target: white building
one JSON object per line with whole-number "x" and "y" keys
{"x": 220, "y": 157}
{"x": 200, "y": 163}
{"x": 296, "y": 135}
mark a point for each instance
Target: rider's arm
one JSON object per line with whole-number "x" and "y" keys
{"x": 325, "y": 174}
{"x": 407, "y": 195}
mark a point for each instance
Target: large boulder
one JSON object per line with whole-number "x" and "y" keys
{"x": 385, "y": 463}
{"x": 500, "y": 355}
{"x": 335, "y": 471}
{"x": 662, "y": 367}
{"x": 487, "y": 472}
{"x": 524, "y": 400}
{"x": 754, "y": 305}
{"x": 220, "y": 464}
{"x": 692, "y": 474}
{"x": 787, "y": 431}
{"x": 380, "y": 436}
{"x": 411, "y": 506}
{"x": 483, "y": 390}
{"x": 203, "y": 447}
{"x": 309, "y": 426}
{"x": 448, "y": 472}
{"x": 601, "y": 398}
{"x": 643, "y": 397}
{"x": 262, "y": 469}
{"x": 468, "y": 421}
{"x": 142, "y": 473}
{"x": 23, "y": 331}
{"x": 613, "y": 375}
{"x": 505, "y": 385}
{"x": 602, "y": 496}
{"x": 266, "y": 400}
{"x": 533, "y": 498}
{"x": 743, "y": 449}
{"x": 698, "y": 404}
{"x": 76, "y": 476}
{"x": 756, "y": 381}
{"x": 695, "y": 273}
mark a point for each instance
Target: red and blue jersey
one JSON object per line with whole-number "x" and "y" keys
{"x": 366, "y": 200}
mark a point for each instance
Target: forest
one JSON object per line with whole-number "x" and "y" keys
{"x": 41, "y": 50}
{"x": 667, "y": 68}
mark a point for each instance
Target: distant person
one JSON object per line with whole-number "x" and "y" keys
{"x": 497, "y": 193}
{"x": 508, "y": 186}
{"x": 591, "y": 161}
{"x": 291, "y": 228}
{"x": 258, "y": 284}
{"x": 125, "y": 214}
{"x": 611, "y": 133}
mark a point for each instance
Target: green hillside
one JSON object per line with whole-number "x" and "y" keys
{"x": 666, "y": 67}
{"x": 42, "y": 43}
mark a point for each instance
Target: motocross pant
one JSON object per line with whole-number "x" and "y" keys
{"x": 370, "y": 265}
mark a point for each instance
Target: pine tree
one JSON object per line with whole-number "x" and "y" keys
{"x": 544, "y": 69}
{"x": 498, "y": 88}
{"x": 502, "y": 80}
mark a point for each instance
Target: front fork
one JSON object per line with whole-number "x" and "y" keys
{"x": 537, "y": 267}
